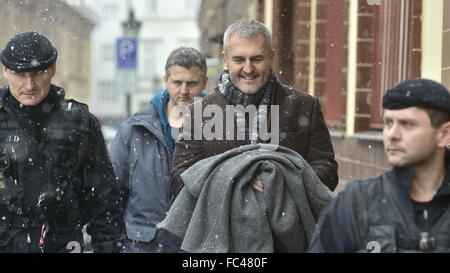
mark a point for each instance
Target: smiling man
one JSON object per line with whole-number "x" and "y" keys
{"x": 408, "y": 208}
{"x": 248, "y": 62}
{"x": 248, "y": 80}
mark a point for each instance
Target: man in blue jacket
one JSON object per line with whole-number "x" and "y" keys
{"x": 408, "y": 208}
{"x": 142, "y": 152}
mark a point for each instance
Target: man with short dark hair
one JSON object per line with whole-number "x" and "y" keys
{"x": 142, "y": 152}
{"x": 55, "y": 173}
{"x": 408, "y": 208}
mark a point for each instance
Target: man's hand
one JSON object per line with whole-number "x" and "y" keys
{"x": 256, "y": 184}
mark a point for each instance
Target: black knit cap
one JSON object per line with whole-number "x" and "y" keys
{"x": 27, "y": 52}
{"x": 418, "y": 92}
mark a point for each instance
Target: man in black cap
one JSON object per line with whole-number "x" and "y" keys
{"x": 55, "y": 173}
{"x": 408, "y": 208}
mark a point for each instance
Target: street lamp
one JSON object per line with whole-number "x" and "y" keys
{"x": 131, "y": 26}
{"x": 127, "y": 52}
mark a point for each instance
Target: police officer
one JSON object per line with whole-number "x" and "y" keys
{"x": 406, "y": 209}
{"x": 55, "y": 173}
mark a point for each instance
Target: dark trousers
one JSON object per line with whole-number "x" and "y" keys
{"x": 163, "y": 242}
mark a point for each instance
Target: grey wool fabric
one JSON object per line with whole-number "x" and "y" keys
{"x": 217, "y": 211}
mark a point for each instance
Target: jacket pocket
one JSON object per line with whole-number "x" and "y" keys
{"x": 381, "y": 238}
{"x": 140, "y": 233}
{"x": 132, "y": 175}
{"x": 64, "y": 147}
{"x": 70, "y": 242}
{"x": 296, "y": 141}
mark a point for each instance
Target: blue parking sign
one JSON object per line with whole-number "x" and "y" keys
{"x": 126, "y": 53}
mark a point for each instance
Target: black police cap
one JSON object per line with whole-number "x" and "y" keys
{"x": 418, "y": 92}
{"x": 28, "y": 51}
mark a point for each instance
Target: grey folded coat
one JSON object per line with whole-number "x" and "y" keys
{"x": 217, "y": 211}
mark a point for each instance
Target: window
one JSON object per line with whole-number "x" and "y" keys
{"x": 191, "y": 7}
{"x": 152, "y": 6}
{"x": 108, "y": 52}
{"x": 106, "y": 92}
{"x": 110, "y": 11}
{"x": 397, "y": 53}
{"x": 149, "y": 53}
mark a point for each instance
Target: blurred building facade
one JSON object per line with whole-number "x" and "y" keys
{"x": 348, "y": 53}
{"x": 67, "y": 26}
{"x": 213, "y": 18}
{"x": 165, "y": 25}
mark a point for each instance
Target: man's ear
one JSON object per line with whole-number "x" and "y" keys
{"x": 271, "y": 56}
{"x": 166, "y": 78}
{"x": 224, "y": 59}
{"x": 4, "y": 71}
{"x": 53, "y": 68}
{"x": 444, "y": 139}
{"x": 205, "y": 81}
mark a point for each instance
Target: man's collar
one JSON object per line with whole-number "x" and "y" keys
{"x": 404, "y": 176}
{"x": 237, "y": 97}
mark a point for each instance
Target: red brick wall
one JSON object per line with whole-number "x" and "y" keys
{"x": 291, "y": 34}
{"x": 336, "y": 62}
{"x": 283, "y": 36}
{"x": 397, "y": 49}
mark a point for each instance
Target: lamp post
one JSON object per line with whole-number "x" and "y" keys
{"x": 127, "y": 57}
{"x": 131, "y": 26}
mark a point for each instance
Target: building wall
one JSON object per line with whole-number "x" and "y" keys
{"x": 311, "y": 51}
{"x": 66, "y": 27}
{"x": 336, "y": 34}
{"x": 213, "y": 18}
{"x": 398, "y": 49}
{"x": 165, "y": 25}
{"x": 359, "y": 157}
{"x": 446, "y": 44}
{"x": 432, "y": 23}
{"x": 348, "y": 53}
{"x": 103, "y": 39}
